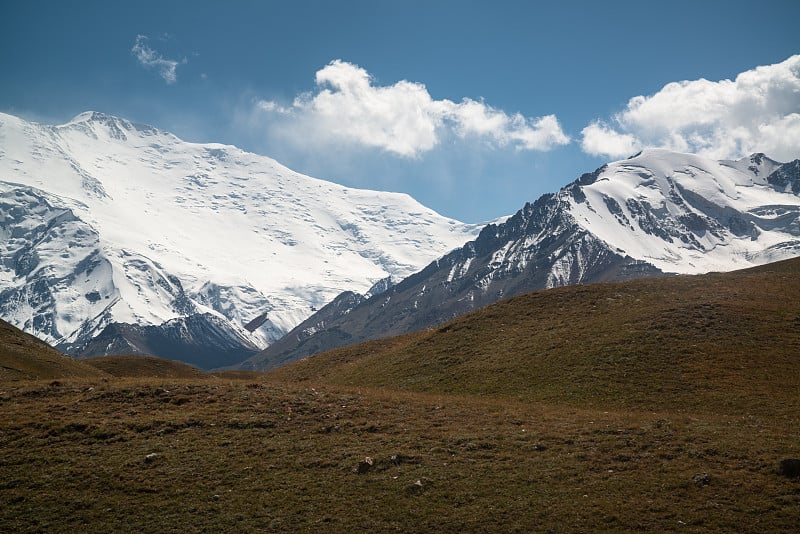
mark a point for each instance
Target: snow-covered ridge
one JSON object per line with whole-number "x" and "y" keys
{"x": 688, "y": 214}
{"x": 123, "y": 222}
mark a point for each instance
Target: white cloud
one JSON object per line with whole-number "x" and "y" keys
{"x": 402, "y": 118}
{"x": 149, "y": 58}
{"x": 601, "y": 140}
{"x": 759, "y": 111}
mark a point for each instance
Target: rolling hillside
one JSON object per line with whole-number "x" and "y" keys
{"x": 24, "y": 357}
{"x": 655, "y": 406}
{"x": 687, "y": 342}
{"x": 137, "y": 366}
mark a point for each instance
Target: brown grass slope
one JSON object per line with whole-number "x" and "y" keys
{"x": 136, "y": 455}
{"x": 670, "y": 406}
{"x": 143, "y": 366}
{"x": 717, "y": 341}
{"x": 24, "y": 357}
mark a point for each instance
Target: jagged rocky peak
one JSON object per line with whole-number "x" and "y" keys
{"x": 786, "y": 178}
{"x": 759, "y": 161}
{"x": 381, "y": 286}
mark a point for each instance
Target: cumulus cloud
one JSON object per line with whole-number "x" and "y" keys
{"x": 759, "y": 111}
{"x": 149, "y": 58}
{"x": 403, "y": 118}
{"x": 600, "y": 139}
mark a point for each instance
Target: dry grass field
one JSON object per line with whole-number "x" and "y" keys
{"x": 661, "y": 405}
{"x": 24, "y": 357}
{"x": 143, "y": 366}
{"x": 214, "y": 455}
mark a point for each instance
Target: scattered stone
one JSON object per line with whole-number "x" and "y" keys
{"x": 150, "y": 458}
{"x": 365, "y": 465}
{"x": 790, "y": 467}
{"x": 701, "y": 479}
{"x": 215, "y": 497}
{"x": 416, "y": 487}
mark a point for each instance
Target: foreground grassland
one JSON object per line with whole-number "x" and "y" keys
{"x": 656, "y": 405}
{"x": 171, "y": 455}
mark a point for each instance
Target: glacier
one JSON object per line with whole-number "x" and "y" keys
{"x": 106, "y": 221}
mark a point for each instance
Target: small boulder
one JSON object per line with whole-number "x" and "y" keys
{"x": 701, "y": 479}
{"x": 416, "y": 487}
{"x": 365, "y": 465}
{"x": 790, "y": 467}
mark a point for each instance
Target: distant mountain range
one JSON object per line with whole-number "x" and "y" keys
{"x": 117, "y": 237}
{"x": 654, "y": 214}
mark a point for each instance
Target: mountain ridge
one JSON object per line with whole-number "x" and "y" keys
{"x": 655, "y": 213}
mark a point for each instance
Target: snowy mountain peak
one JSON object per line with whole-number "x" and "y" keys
{"x": 159, "y": 228}
{"x": 101, "y": 125}
{"x": 92, "y": 116}
{"x": 759, "y": 165}
{"x": 689, "y": 214}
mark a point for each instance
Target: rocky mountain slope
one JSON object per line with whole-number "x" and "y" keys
{"x": 655, "y": 213}
{"x": 107, "y": 224}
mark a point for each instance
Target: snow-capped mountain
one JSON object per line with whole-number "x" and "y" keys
{"x": 104, "y": 221}
{"x": 655, "y": 213}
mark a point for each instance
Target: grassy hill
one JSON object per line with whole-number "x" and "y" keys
{"x": 143, "y": 366}
{"x": 654, "y": 406}
{"x": 24, "y": 357}
{"x": 725, "y": 342}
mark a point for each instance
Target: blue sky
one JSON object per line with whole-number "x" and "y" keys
{"x": 471, "y": 107}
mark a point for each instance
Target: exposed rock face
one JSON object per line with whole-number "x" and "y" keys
{"x": 204, "y": 340}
